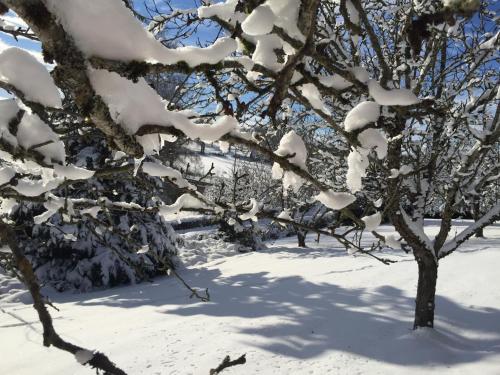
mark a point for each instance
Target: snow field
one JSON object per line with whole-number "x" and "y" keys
{"x": 292, "y": 311}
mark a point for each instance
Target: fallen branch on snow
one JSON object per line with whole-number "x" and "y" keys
{"x": 228, "y": 363}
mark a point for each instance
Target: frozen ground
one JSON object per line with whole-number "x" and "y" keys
{"x": 293, "y": 311}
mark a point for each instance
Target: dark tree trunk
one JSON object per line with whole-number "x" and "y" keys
{"x": 426, "y": 291}
{"x": 301, "y": 237}
{"x": 476, "y": 214}
{"x": 479, "y": 233}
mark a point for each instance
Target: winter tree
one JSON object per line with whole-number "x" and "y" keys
{"x": 407, "y": 89}
{"x": 413, "y": 110}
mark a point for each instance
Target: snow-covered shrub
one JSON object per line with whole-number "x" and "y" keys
{"x": 199, "y": 248}
{"x": 99, "y": 248}
{"x": 247, "y": 235}
{"x": 85, "y": 255}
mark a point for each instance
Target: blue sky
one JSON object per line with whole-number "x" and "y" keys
{"x": 204, "y": 34}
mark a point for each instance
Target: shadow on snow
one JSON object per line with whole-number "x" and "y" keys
{"x": 311, "y": 319}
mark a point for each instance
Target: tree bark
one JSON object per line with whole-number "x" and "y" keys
{"x": 426, "y": 291}
{"x": 480, "y": 233}
{"x": 301, "y": 238}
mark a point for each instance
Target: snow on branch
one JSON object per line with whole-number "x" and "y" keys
{"x": 260, "y": 21}
{"x": 398, "y": 97}
{"x": 293, "y": 148}
{"x": 134, "y": 105}
{"x": 335, "y": 200}
{"x": 372, "y": 221}
{"x": 184, "y": 202}
{"x": 21, "y": 70}
{"x": 72, "y": 172}
{"x": 490, "y": 217}
{"x": 118, "y": 35}
{"x": 159, "y": 170}
{"x": 20, "y": 129}
{"x": 251, "y": 214}
{"x": 361, "y": 115}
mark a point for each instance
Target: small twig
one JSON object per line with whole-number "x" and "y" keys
{"x": 168, "y": 267}
{"x": 49, "y": 303}
{"x": 194, "y": 292}
{"x": 228, "y": 363}
{"x": 40, "y": 145}
{"x": 209, "y": 173}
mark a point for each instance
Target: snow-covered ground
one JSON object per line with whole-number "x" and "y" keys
{"x": 223, "y": 162}
{"x": 292, "y": 311}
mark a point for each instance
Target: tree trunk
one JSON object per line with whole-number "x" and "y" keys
{"x": 480, "y": 233}
{"x": 301, "y": 237}
{"x": 426, "y": 291}
{"x": 476, "y": 214}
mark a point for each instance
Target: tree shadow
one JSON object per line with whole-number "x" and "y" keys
{"x": 327, "y": 250}
{"x": 297, "y": 318}
{"x": 455, "y": 222}
{"x": 312, "y": 251}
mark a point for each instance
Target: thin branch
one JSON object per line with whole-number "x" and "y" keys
{"x": 98, "y": 361}
{"x": 228, "y": 363}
